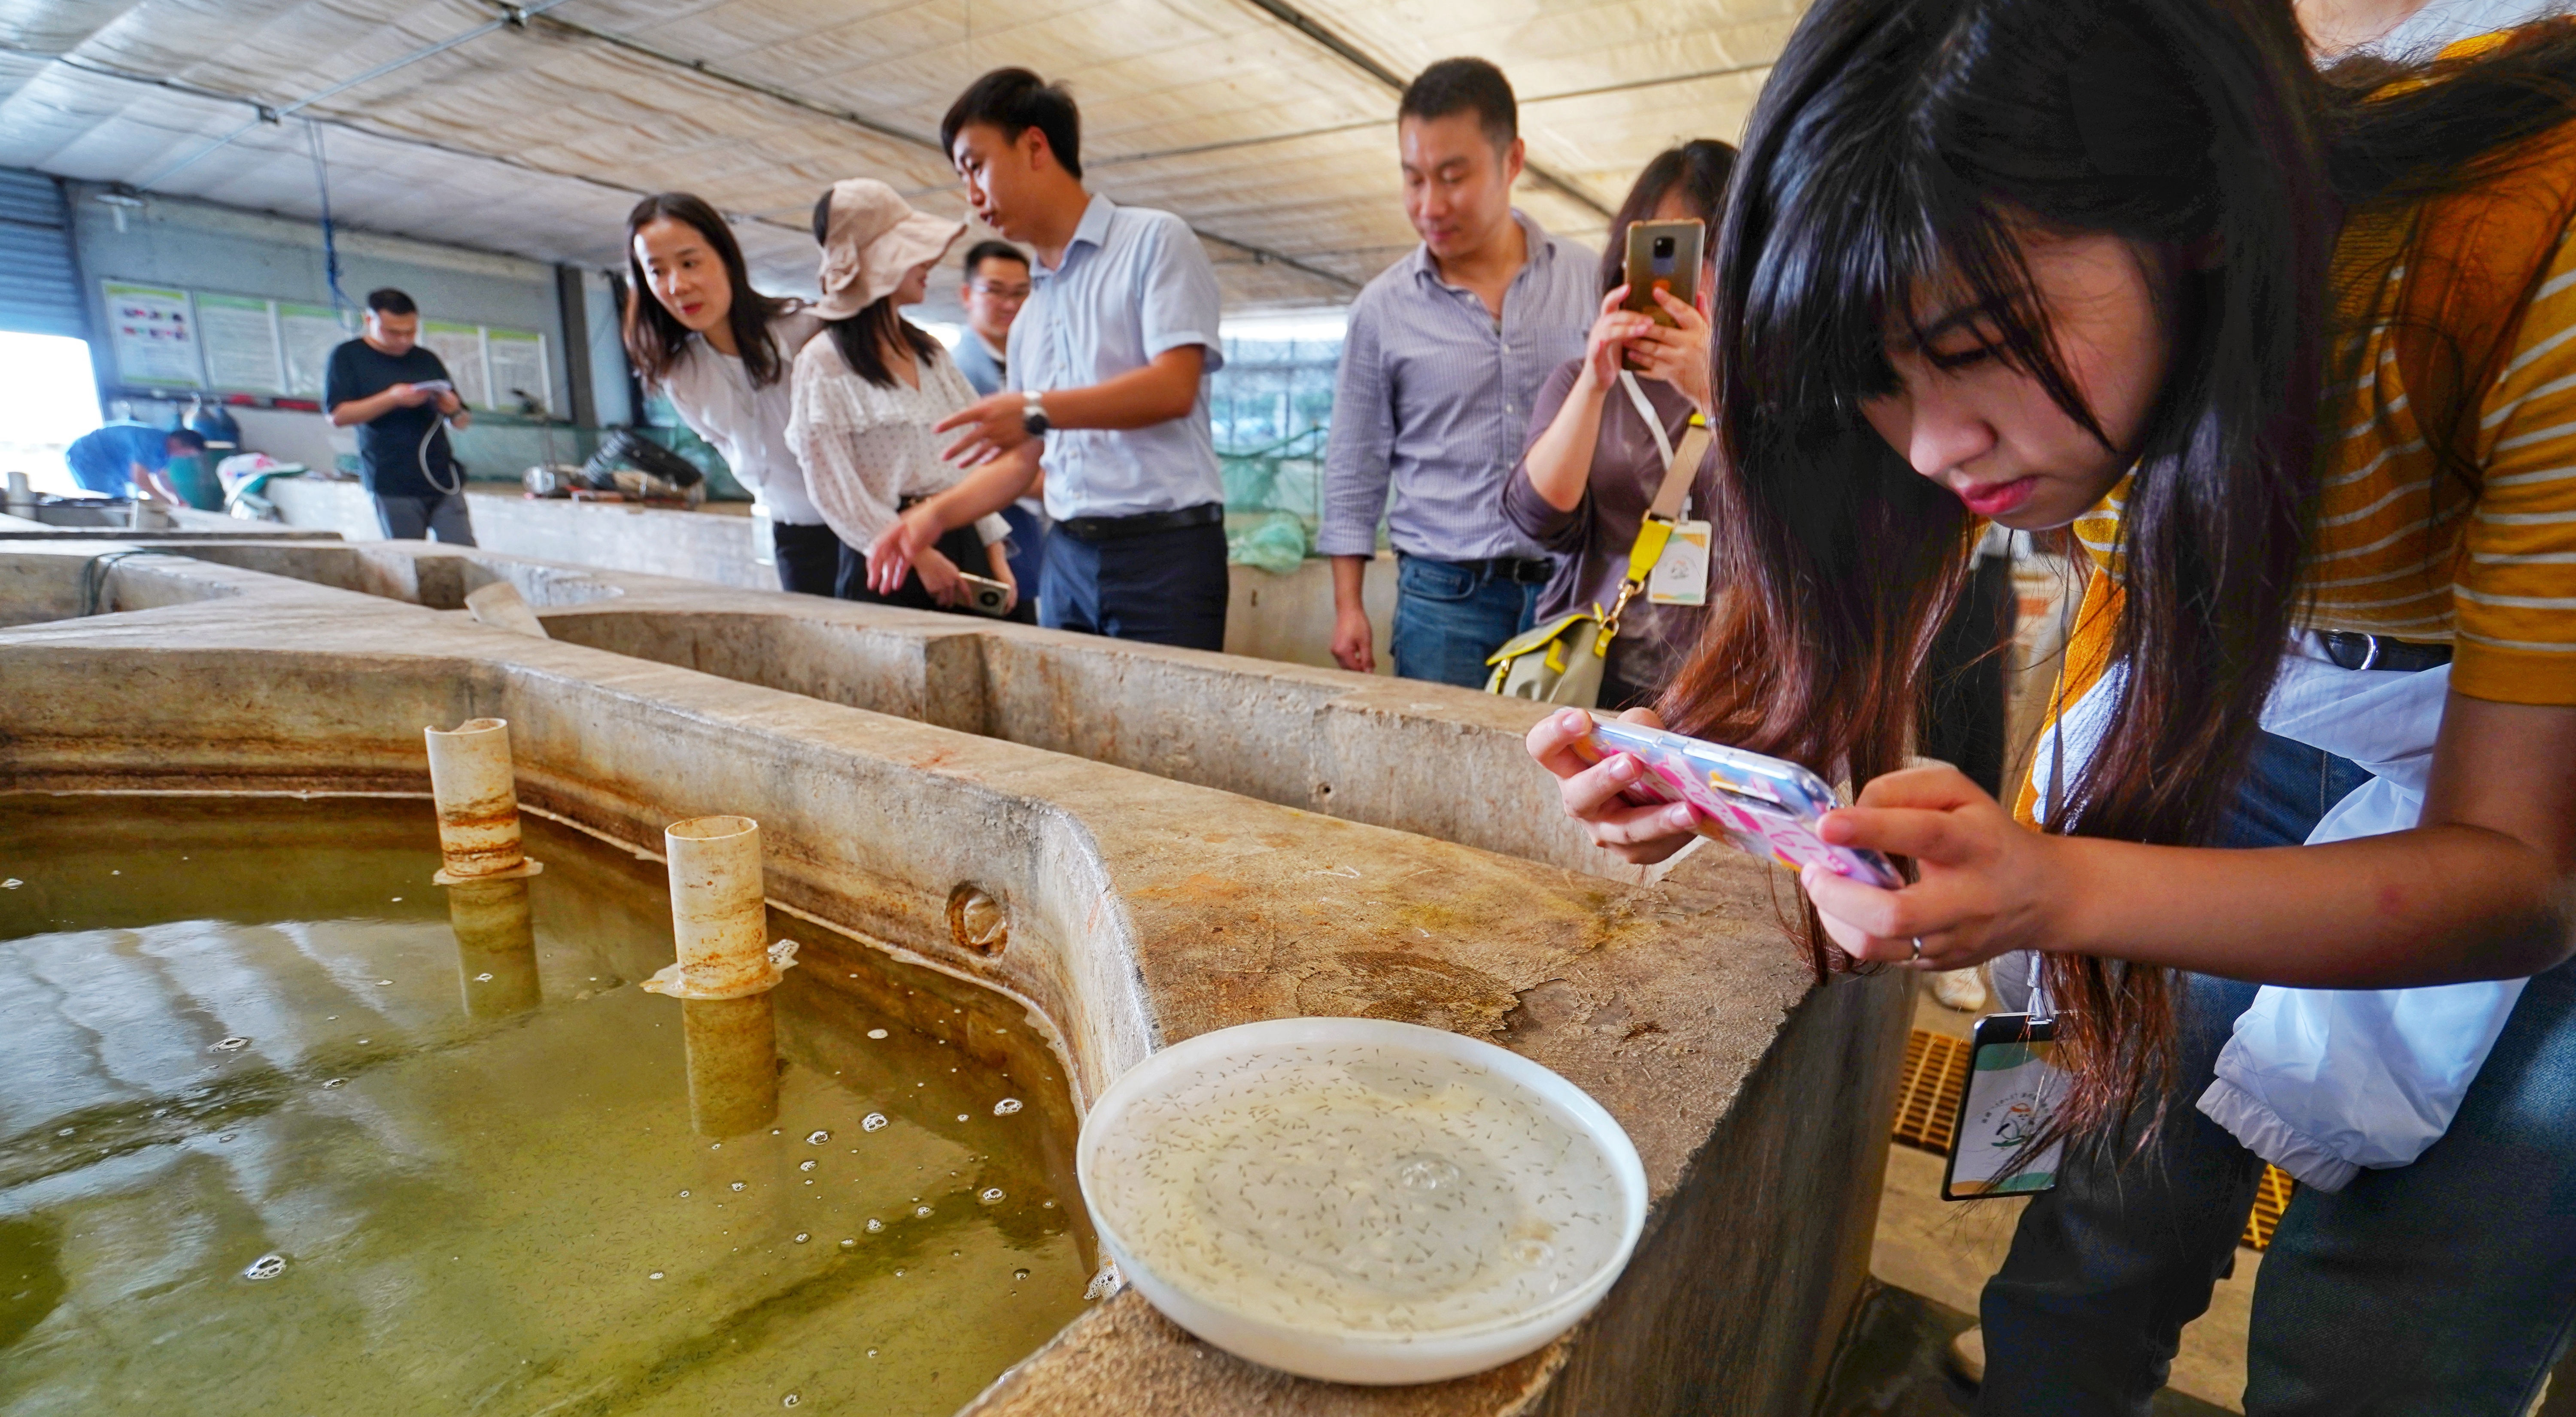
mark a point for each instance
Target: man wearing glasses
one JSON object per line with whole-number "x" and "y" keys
{"x": 997, "y": 284}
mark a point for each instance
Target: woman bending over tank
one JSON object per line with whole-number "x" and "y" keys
{"x": 2294, "y": 356}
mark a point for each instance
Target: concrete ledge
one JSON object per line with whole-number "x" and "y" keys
{"x": 1287, "y": 618}
{"x": 1142, "y": 910}
{"x": 1416, "y": 757}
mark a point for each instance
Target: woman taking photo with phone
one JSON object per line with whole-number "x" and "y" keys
{"x": 720, "y": 351}
{"x": 1595, "y": 464}
{"x": 868, "y": 390}
{"x": 2295, "y": 358}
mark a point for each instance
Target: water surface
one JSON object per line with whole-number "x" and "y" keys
{"x": 275, "y": 1139}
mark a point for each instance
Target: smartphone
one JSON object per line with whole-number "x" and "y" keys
{"x": 986, "y": 596}
{"x": 1663, "y": 255}
{"x": 435, "y": 386}
{"x": 2005, "y": 1103}
{"x": 1764, "y": 805}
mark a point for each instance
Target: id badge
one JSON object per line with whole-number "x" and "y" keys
{"x": 1681, "y": 573}
{"x": 764, "y": 537}
{"x": 2013, "y": 1088}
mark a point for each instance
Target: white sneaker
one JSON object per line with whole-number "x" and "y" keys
{"x": 1961, "y": 989}
{"x": 1968, "y": 1355}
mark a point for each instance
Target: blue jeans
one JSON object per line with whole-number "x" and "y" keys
{"x": 1449, "y": 617}
{"x": 2445, "y": 1287}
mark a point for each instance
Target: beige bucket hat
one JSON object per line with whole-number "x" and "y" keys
{"x": 871, "y": 237}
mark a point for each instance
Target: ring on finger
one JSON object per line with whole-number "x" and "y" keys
{"x": 1917, "y": 956}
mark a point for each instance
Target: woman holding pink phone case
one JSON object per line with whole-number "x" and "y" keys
{"x": 2293, "y": 358}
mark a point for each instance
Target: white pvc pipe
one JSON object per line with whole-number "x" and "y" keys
{"x": 719, "y": 910}
{"x": 478, "y": 801}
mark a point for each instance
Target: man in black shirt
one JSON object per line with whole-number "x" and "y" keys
{"x": 396, "y": 393}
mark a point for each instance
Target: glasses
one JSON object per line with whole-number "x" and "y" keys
{"x": 1012, "y": 293}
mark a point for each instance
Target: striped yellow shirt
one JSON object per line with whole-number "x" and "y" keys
{"x": 2407, "y": 549}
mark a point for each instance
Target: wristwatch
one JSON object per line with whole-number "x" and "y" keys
{"x": 1033, "y": 419}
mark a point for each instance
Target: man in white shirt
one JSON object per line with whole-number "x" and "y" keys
{"x": 1107, "y": 369}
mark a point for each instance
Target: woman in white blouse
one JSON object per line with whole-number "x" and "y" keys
{"x": 869, "y": 387}
{"x": 720, "y": 351}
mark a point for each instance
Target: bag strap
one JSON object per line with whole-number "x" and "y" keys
{"x": 1655, "y": 529}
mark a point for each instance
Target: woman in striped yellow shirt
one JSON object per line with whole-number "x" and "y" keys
{"x": 2296, "y": 358}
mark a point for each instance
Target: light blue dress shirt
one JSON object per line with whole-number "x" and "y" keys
{"x": 1135, "y": 282}
{"x": 1434, "y": 394}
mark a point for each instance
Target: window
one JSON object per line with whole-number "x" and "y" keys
{"x": 1271, "y": 407}
{"x": 48, "y": 397}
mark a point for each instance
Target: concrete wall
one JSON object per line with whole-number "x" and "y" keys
{"x": 1423, "y": 758}
{"x": 1285, "y": 618}
{"x": 201, "y": 246}
{"x": 1141, "y": 911}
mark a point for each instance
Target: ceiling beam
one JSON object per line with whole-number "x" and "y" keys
{"x": 1260, "y": 254}
{"x": 1369, "y": 64}
{"x": 1220, "y": 145}
{"x": 511, "y": 17}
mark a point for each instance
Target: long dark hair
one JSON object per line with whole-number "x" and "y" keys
{"x": 1698, "y": 168}
{"x": 1905, "y": 141}
{"x": 862, "y": 338}
{"x": 655, "y": 337}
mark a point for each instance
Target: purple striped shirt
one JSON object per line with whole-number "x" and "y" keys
{"x": 1434, "y": 396}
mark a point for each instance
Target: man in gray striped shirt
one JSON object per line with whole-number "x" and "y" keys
{"x": 1445, "y": 350}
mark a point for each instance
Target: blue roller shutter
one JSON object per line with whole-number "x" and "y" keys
{"x": 42, "y": 294}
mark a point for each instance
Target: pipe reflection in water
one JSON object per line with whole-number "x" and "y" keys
{"x": 496, "y": 947}
{"x": 733, "y": 1064}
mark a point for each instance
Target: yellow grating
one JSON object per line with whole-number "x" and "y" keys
{"x": 2269, "y": 1199}
{"x": 1927, "y": 1104}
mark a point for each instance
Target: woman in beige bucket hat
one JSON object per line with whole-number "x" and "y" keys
{"x": 869, "y": 387}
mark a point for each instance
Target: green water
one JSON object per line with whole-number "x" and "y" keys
{"x": 472, "y": 1163}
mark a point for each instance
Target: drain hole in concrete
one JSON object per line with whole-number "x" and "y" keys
{"x": 976, "y": 920}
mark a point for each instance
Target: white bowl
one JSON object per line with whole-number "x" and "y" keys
{"x": 1234, "y": 1211}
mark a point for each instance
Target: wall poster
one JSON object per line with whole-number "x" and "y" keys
{"x": 239, "y": 337}
{"x": 460, "y": 348}
{"x": 153, "y": 333}
{"x": 309, "y": 333}
{"x": 518, "y": 363}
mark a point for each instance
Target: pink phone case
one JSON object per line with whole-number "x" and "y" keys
{"x": 1767, "y": 806}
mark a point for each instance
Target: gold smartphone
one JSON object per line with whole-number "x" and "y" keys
{"x": 985, "y": 596}
{"x": 1663, "y": 255}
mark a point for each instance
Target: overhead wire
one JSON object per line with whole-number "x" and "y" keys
{"x": 1367, "y": 63}
{"x": 364, "y": 130}
{"x": 330, "y": 241}
{"x": 1261, "y": 255}
{"x": 512, "y": 17}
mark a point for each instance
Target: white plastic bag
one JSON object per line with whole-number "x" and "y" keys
{"x": 2324, "y": 1082}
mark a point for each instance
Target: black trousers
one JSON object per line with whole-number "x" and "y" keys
{"x": 809, "y": 557}
{"x": 962, "y": 546}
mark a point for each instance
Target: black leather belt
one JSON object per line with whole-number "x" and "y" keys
{"x": 2351, "y": 649}
{"x": 1141, "y": 524}
{"x": 1506, "y": 568}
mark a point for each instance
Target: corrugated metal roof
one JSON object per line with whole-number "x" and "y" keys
{"x": 1267, "y": 125}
